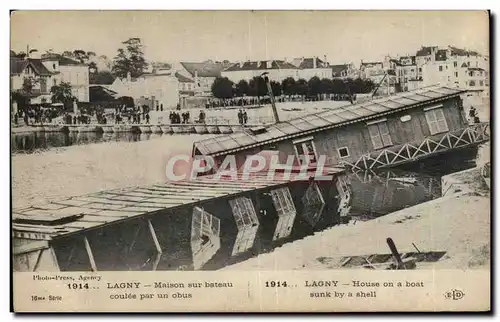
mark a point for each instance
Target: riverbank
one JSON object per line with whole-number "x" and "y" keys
{"x": 459, "y": 225}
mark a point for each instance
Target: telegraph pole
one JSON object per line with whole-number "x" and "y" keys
{"x": 271, "y": 96}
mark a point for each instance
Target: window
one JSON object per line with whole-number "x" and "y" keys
{"x": 472, "y": 83}
{"x": 456, "y": 74}
{"x": 305, "y": 151}
{"x": 455, "y": 64}
{"x": 420, "y": 69}
{"x": 54, "y": 66}
{"x": 343, "y": 152}
{"x": 54, "y": 82}
{"x": 468, "y": 64}
{"x": 436, "y": 120}
{"x": 43, "y": 85}
{"x": 481, "y": 83}
{"x": 379, "y": 134}
{"x": 440, "y": 68}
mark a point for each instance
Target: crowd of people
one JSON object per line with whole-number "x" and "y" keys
{"x": 255, "y": 101}
{"x": 36, "y": 115}
{"x": 242, "y": 116}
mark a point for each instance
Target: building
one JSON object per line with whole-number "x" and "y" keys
{"x": 203, "y": 74}
{"x": 313, "y": 67}
{"x": 372, "y": 70}
{"x": 67, "y": 70}
{"x": 278, "y": 70}
{"x": 31, "y": 71}
{"x": 384, "y": 132}
{"x": 454, "y": 67}
{"x": 344, "y": 71}
{"x": 161, "y": 89}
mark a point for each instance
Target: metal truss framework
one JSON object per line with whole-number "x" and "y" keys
{"x": 410, "y": 152}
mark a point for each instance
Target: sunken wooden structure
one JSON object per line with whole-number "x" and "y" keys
{"x": 384, "y": 132}
{"x": 202, "y": 224}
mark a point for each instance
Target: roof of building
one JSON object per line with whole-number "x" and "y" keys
{"x": 441, "y": 55}
{"x": 476, "y": 69}
{"x": 462, "y": 52}
{"x": 261, "y": 65}
{"x": 183, "y": 79}
{"x": 17, "y": 66}
{"x": 204, "y": 69}
{"x": 371, "y": 64}
{"x": 338, "y": 69}
{"x": 71, "y": 215}
{"x": 223, "y": 145}
{"x": 425, "y": 51}
{"x": 308, "y": 63}
{"x": 63, "y": 61}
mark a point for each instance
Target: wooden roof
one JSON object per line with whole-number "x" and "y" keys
{"x": 327, "y": 119}
{"x": 70, "y": 215}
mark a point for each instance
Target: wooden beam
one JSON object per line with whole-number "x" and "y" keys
{"x": 155, "y": 238}
{"x": 89, "y": 253}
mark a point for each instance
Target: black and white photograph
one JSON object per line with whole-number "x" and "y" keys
{"x": 243, "y": 141}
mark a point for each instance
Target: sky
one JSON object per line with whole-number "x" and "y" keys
{"x": 341, "y": 36}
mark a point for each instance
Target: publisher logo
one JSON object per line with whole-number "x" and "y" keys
{"x": 454, "y": 295}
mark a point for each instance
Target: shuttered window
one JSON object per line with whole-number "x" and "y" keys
{"x": 379, "y": 134}
{"x": 436, "y": 121}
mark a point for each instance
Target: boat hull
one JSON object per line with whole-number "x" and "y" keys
{"x": 201, "y": 129}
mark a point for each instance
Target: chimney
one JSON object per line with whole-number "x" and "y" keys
{"x": 240, "y": 64}
{"x": 315, "y": 65}
{"x": 129, "y": 77}
{"x": 269, "y": 64}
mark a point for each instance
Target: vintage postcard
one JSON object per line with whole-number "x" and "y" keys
{"x": 250, "y": 161}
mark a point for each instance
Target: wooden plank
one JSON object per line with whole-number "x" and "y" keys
{"x": 71, "y": 202}
{"x": 101, "y": 206}
{"x": 32, "y": 246}
{"x": 144, "y": 210}
{"x": 90, "y": 255}
{"x": 128, "y": 198}
{"x": 37, "y": 213}
{"x": 99, "y": 219}
{"x": 49, "y": 206}
{"x": 113, "y": 213}
{"x": 81, "y": 224}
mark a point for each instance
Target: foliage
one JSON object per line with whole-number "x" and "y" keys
{"x": 130, "y": 59}
{"x": 242, "y": 88}
{"x": 257, "y": 87}
{"x": 222, "y": 87}
{"x": 62, "y": 93}
{"x": 103, "y": 77}
{"x": 289, "y": 86}
{"x": 314, "y": 86}
{"x": 302, "y": 87}
{"x": 276, "y": 88}
{"x": 29, "y": 84}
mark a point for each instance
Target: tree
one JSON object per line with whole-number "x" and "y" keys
{"x": 289, "y": 86}
{"x": 62, "y": 94}
{"x": 338, "y": 86}
{"x": 276, "y": 88}
{"x": 103, "y": 77}
{"x": 20, "y": 55}
{"x": 242, "y": 88}
{"x": 314, "y": 86}
{"x": 130, "y": 59}
{"x": 302, "y": 87}
{"x": 29, "y": 84}
{"x": 257, "y": 87}
{"x": 326, "y": 86}
{"x": 222, "y": 87}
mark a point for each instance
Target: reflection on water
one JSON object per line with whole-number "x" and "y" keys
{"x": 40, "y": 141}
{"x": 372, "y": 195}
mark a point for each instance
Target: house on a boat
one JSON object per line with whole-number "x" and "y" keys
{"x": 382, "y": 132}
